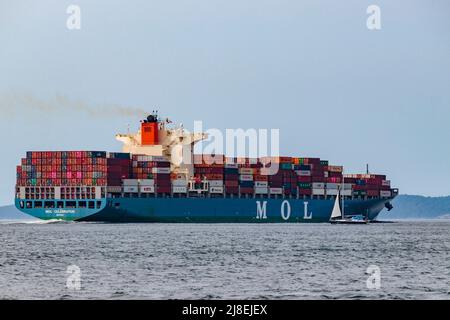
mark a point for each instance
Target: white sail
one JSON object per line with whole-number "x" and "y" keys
{"x": 336, "y": 213}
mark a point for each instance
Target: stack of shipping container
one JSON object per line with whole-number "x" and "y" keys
{"x": 372, "y": 185}
{"x": 231, "y": 176}
{"x": 212, "y": 169}
{"x": 63, "y": 168}
{"x": 118, "y": 168}
{"x": 151, "y": 174}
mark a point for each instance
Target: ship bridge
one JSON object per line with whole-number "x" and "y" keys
{"x": 155, "y": 138}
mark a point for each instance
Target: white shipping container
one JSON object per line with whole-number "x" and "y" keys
{"x": 231, "y": 165}
{"x": 386, "y": 183}
{"x": 130, "y": 182}
{"x": 332, "y": 192}
{"x": 325, "y": 174}
{"x": 246, "y": 177}
{"x": 276, "y": 190}
{"x": 98, "y": 192}
{"x": 346, "y": 192}
{"x": 160, "y": 170}
{"x": 216, "y": 183}
{"x": 261, "y": 190}
{"x": 305, "y": 173}
{"x": 385, "y": 193}
{"x": 348, "y": 186}
{"x": 58, "y": 192}
{"x": 114, "y": 189}
{"x": 132, "y": 189}
{"x": 147, "y": 189}
{"x": 157, "y": 158}
{"x": 261, "y": 184}
{"x": 147, "y": 182}
{"x": 318, "y": 185}
{"x": 318, "y": 192}
{"x": 216, "y": 189}
{"x": 179, "y": 189}
{"x": 332, "y": 186}
{"x": 151, "y": 158}
{"x": 179, "y": 183}
{"x": 22, "y": 193}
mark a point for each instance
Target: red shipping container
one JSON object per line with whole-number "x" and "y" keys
{"x": 304, "y": 179}
{"x": 231, "y": 177}
{"x": 231, "y": 183}
{"x": 304, "y": 192}
{"x": 163, "y": 183}
{"x": 233, "y": 190}
{"x": 163, "y": 189}
{"x": 259, "y": 177}
{"x": 247, "y": 190}
{"x": 335, "y": 174}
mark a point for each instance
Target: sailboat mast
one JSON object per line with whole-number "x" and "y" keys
{"x": 343, "y": 215}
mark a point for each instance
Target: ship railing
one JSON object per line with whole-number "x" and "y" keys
{"x": 201, "y": 190}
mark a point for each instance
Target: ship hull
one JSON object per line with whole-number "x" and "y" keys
{"x": 209, "y": 210}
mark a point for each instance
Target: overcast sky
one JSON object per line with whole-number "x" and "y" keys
{"x": 313, "y": 69}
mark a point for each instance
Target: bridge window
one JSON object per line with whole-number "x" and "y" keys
{"x": 71, "y": 204}
{"x": 81, "y": 204}
{"x": 38, "y": 204}
{"x": 99, "y": 204}
{"x": 49, "y": 204}
{"x": 91, "y": 204}
{"x": 29, "y": 204}
{"x": 60, "y": 204}
{"x": 22, "y": 205}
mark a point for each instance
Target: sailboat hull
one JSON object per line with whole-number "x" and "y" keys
{"x": 348, "y": 221}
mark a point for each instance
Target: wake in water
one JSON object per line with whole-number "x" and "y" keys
{"x": 34, "y": 221}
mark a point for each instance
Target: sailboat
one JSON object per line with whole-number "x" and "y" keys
{"x": 337, "y": 215}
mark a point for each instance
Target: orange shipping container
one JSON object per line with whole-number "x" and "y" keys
{"x": 259, "y": 177}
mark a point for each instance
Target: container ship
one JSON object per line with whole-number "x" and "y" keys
{"x": 148, "y": 182}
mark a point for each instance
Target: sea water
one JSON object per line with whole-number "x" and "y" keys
{"x": 60, "y": 260}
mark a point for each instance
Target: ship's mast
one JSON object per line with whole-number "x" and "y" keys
{"x": 343, "y": 196}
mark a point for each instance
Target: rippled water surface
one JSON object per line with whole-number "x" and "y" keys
{"x": 225, "y": 261}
